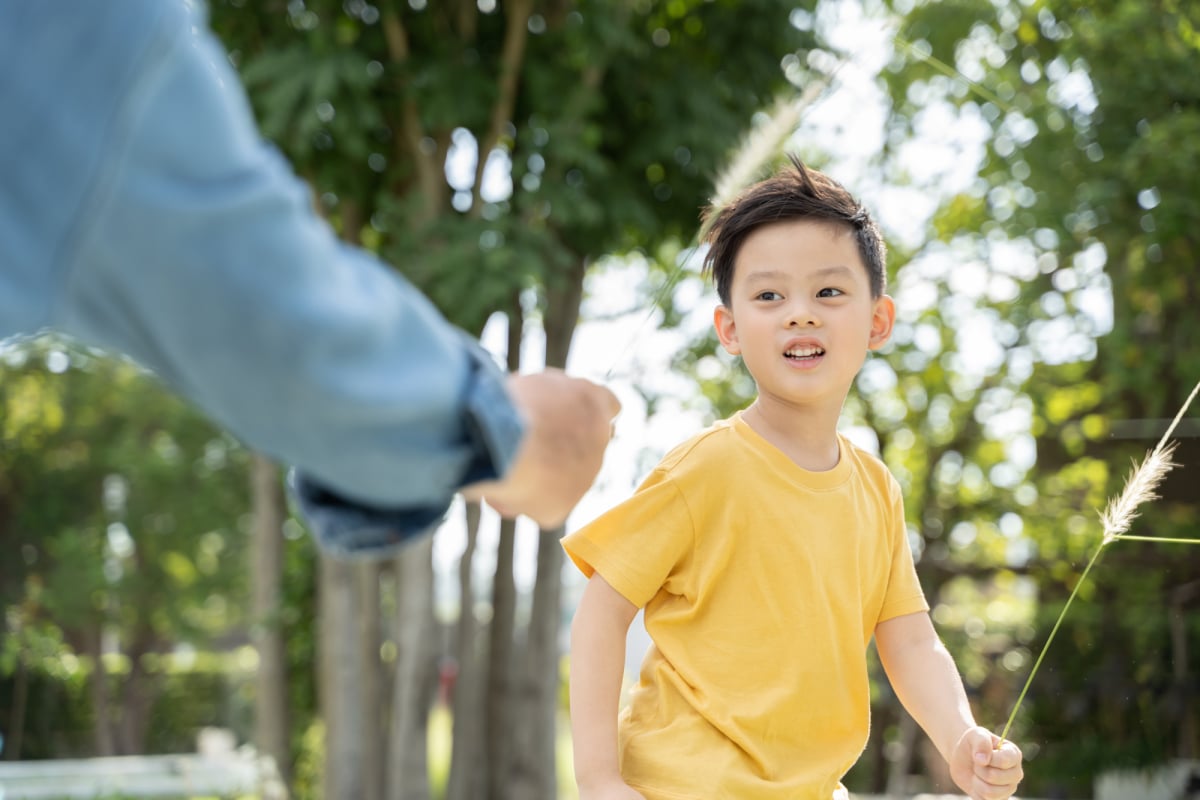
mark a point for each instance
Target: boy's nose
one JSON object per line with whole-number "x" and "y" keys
{"x": 802, "y": 315}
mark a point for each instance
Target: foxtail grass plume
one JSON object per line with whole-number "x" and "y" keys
{"x": 1139, "y": 488}
{"x": 763, "y": 144}
{"x": 1116, "y": 518}
{"x": 1142, "y": 482}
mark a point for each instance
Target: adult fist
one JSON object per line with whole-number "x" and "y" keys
{"x": 568, "y": 426}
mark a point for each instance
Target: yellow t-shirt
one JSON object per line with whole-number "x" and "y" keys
{"x": 762, "y": 585}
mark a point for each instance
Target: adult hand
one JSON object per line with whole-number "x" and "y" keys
{"x": 568, "y": 426}
{"x": 985, "y": 766}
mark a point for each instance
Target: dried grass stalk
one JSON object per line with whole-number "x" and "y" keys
{"x": 1143, "y": 480}
{"x": 763, "y": 144}
{"x": 1117, "y": 517}
{"x": 1140, "y": 488}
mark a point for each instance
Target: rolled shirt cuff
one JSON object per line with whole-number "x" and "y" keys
{"x": 347, "y": 528}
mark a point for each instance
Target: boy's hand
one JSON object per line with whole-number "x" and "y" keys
{"x": 615, "y": 789}
{"x": 984, "y": 766}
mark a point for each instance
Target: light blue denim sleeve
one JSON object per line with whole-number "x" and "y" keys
{"x": 140, "y": 210}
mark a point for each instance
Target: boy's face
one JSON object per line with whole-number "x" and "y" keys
{"x": 800, "y": 311}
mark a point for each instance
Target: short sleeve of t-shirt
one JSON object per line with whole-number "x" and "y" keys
{"x": 904, "y": 594}
{"x": 638, "y": 545}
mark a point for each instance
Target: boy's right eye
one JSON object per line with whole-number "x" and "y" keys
{"x": 768, "y": 295}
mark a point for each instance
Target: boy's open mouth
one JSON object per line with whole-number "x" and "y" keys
{"x": 804, "y": 353}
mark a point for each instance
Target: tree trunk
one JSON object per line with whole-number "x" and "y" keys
{"x": 534, "y": 773}
{"x": 1189, "y": 728}
{"x": 410, "y": 144}
{"x": 351, "y": 679}
{"x": 503, "y": 623}
{"x": 271, "y": 680}
{"x": 416, "y": 674}
{"x": 342, "y": 669}
{"x": 564, "y": 294}
{"x": 138, "y": 692}
{"x": 512, "y": 56}
{"x": 98, "y": 689}
{"x": 11, "y": 746}
{"x": 370, "y": 639}
{"x": 500, "y": 663}
{"x": 467, "y": 761}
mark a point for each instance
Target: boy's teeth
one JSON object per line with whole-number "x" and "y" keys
{"x": 804, "y": 352}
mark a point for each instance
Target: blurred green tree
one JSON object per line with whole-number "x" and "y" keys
{"x": 122, "y": 511}
{"x": 1078, "y": 236}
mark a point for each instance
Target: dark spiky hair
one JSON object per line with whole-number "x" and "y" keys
{"x": 794, "y": 193}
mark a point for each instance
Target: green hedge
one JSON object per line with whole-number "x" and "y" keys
{"x": 215, "y": 690}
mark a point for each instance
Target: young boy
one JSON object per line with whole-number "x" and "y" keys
{"x": 768, "y": 550}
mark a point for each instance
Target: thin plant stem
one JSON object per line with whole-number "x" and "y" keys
{"x": 1182, "y": 410}
{"x": 953, "y": 73}
{"x": 1046, "y": 647}
{"x": 1157, "y": 539}
{"x": 1139, "y": 488}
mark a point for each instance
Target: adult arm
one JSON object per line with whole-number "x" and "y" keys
{"x": 597, "y": 667}
{"x": 925, "y": 678}
{"x": 140, "y": 210}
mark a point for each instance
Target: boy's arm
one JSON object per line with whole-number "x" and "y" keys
{"x": 924, "y": 677}
{"x": 597, "y": 667}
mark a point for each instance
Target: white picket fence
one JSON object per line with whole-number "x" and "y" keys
{"x": 235, "y": 774}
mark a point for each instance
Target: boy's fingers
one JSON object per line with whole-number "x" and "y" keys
{"x": 1006, "y": 756}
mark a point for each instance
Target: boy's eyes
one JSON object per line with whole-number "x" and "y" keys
{"x": 770, "y": 295}
{"x": 828, "y": 291}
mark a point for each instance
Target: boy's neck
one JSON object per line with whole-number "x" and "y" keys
{"x": 806, "y": 436}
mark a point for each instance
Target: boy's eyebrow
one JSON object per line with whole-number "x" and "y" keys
{"x": 836, "y": 271}
{"x": 766, "y": 275}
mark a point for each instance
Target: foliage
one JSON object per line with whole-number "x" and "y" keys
{"x": 620, "y": 118}
{"x": 1078, "y": 226}
{"x": 211, "y": 689}
{"x": 123, "y": 507}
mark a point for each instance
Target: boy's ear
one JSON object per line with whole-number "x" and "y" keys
{"x": 726, "y": 330}
{"x": 882, "y": 319}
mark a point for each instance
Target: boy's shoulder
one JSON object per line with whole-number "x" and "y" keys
{"x": 712, "y": 442}
{"x": 870, "y": 466}
{"x": 692, "y": 461}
